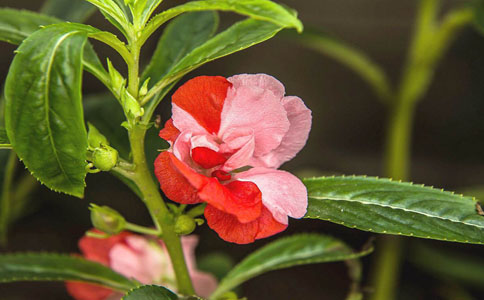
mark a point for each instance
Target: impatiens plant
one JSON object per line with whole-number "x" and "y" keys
{"x": 227, "y": 139}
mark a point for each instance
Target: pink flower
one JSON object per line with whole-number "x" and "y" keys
{"x": 141, "y": 258}
{"x": 228, "y": 137}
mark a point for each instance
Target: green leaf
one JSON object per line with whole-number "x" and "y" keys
{"x": 44, "y": 115}
{"x": 391, "y": 207}
{"x": 143, "y": 9}
{"x": 284, "y": 253}
{"x": 263, "y": 10}
{"x": 57, "y": 267}
{"x": 180, "y": 37}
{"x": 113, "y": 13}
{"x": 17, "y": 25}
{"x": 150, "y": 292}
{"x": 448, "y": 264}
{"x": 239, "y": 36}
{"x": 69, "y": 10}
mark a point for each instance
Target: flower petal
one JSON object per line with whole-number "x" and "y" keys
{"x": 262, "y": 81}
{"x": 98, "y": 249}
{"x": 231, "y": 230}
{"x": 203, "y": 98}
{"x": 140, "y": 259}
{"x": 175, "y": 186}
{"x": 282, "y": 193}
{"x": 300, "y": 118}
{"x": 242, "y": 199}
{"x": 207, "y": 158}
{"x": 240, "y": 144}
{"x": 87, "y": 291}
{"x": 169, "y": 133}
{"x": 257, "y": 108}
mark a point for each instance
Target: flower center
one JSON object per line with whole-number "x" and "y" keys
{"x": 221, "y": 175}
{"x": 207, "y": 158}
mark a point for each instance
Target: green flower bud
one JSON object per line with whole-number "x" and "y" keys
{"x": 131, "y": 107}
{"x": 117, "y": 80}
{"x": 144, "y": 88}
{"x": 94, "y": 138}
{"x": 105, "y": 158}
{"x": 184, "y": 225}
{"x": 107, "y": 219}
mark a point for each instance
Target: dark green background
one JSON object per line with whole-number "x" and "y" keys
{"x": 347, "y": 138}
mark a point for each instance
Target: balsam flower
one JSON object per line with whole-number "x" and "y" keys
{"x": 228, "y": 137}
{"x": 141, "y": 258}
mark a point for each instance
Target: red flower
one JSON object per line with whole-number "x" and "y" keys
{"x": 221, "y": 127}
{"x": 141, "y": 258}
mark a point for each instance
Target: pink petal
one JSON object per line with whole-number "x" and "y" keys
{"x": 257, "y": 108}
{"x": 282, "y": 193}
{"x": 263, "y": 81}
{"x": 140, "y": 259}
{"x": 300, "y": 118}
{"x": 240, "y": 142}
{"x": 204, "y": 283}
{"x": 184, "y": 121}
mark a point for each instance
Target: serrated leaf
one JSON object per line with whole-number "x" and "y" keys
{"x": 284, "y": 253}
{"x": 57, "y": 267}
{"x": 150, "y": 292}
{"x": 263, "y": 10}
{"x": 386, "y": 206}
{"x": 17, "y": 25}
{"x": 44, "y": 116}
{"x": 180, "y": 37}
{"x": 239, "y": 36}
{"x": 69, "y": 10}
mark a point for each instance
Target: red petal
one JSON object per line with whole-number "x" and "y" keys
{"x": 87, "y": 291}
{"x": 203, "y": 97}
{"x": 230, "y": 229}
{"x": 98, "y": 249}
{"x": 240, "y": 198}
{"x": 175, "y": 186}
{"x": 207, "y": 158}
{"x": 170, "y": 132}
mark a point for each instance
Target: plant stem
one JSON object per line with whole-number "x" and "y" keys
{"x": 142, "y": 178}
{"x": 158, "y": 210}
{"x": 428, "y": 46}
{"x": 142, "y": 229}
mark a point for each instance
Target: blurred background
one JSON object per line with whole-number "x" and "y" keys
{"x": 347, "y": 138}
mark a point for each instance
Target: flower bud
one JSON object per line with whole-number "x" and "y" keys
{"x": 184, "y": 225}
{"x": 105, "y": 158}
{"x": 131, "y": 107}
{"x": 107, "y": 219}
{"x": 94, "y": 138}
{"x": 117, "y": 80}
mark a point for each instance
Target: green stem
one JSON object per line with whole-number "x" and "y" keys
{"x": 6, "y": 196}
{"x": 158, "y": 210}
{"x": 142, "y": 229}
